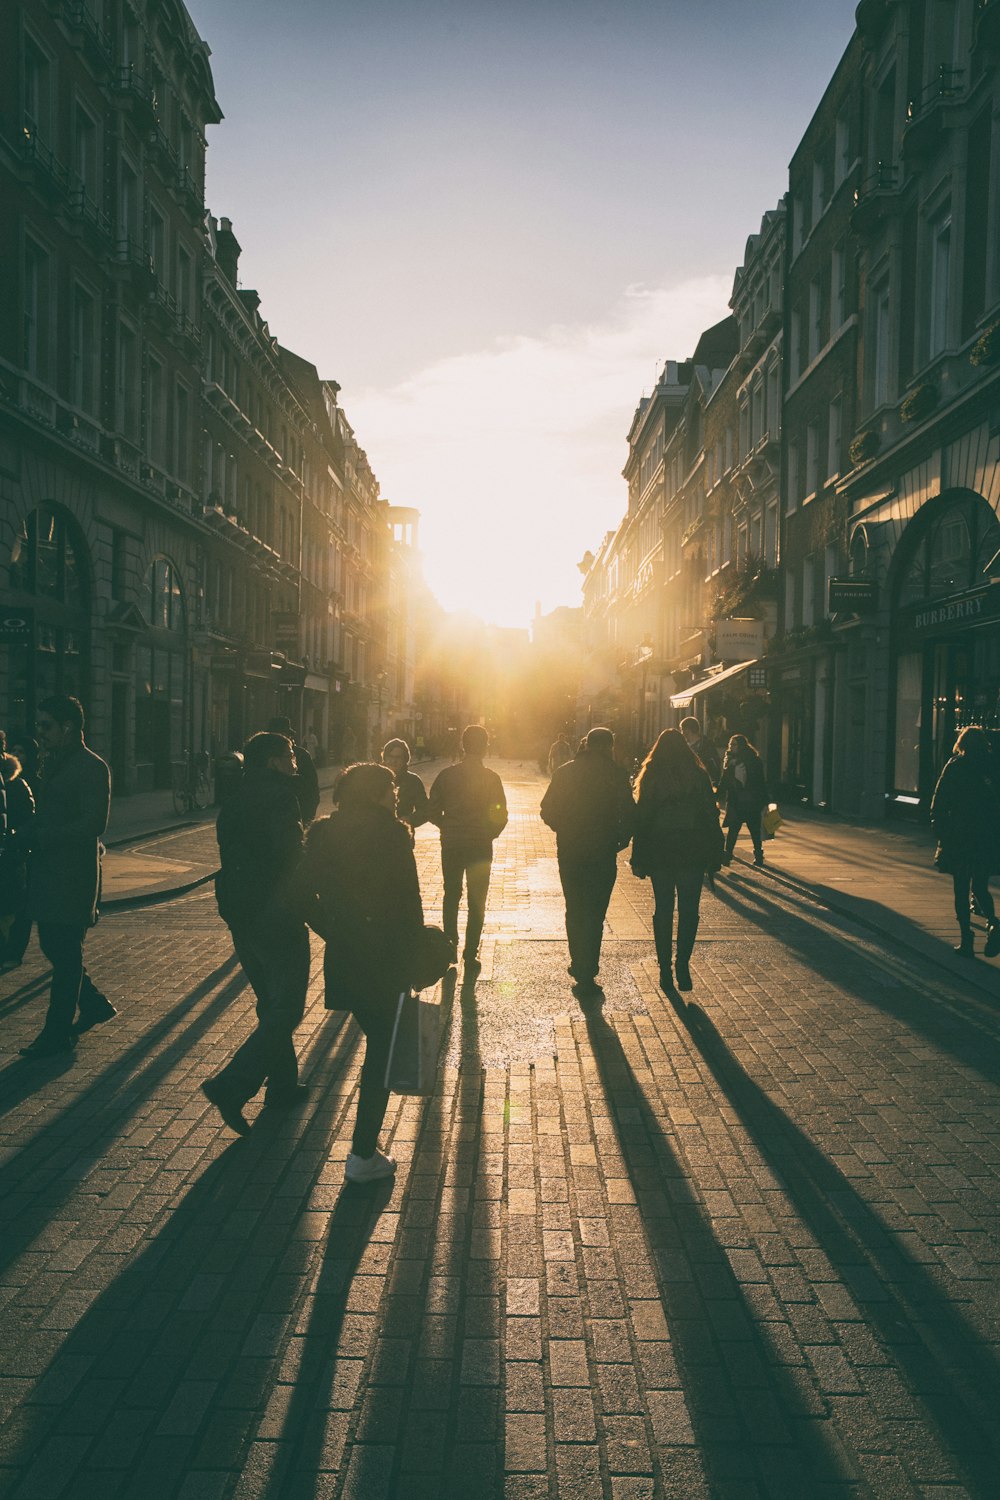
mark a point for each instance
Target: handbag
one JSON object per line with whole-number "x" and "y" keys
{"x": 771, "y": 820}
{"x": 431, "y": 957}
{"x": 411, "y": 1066}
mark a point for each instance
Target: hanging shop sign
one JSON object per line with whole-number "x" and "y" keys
{"x": 17, "y": 627}
{"x": 739, "y": 640}
{"x": 857, "y": 596}
{"x": 285, "y": 627}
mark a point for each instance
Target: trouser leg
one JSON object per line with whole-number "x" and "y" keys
{"x": 961, "y": 882}
{"x": 17, "y": 937}
{"x": 733, "y": 833}
{"x": 688, "y": 906}
{"x": 277, "y": 966}
{"x": 453, "y": 871}
{"x": 477, "y": 886}
{"x": 663, "y": 919}
{"x": 63, "y": 947}
{"x": 753, "y": 828}
{"x": 373, "y": 1096}
{"x": 587, "y": 888}
{"x": 980, "y": 883}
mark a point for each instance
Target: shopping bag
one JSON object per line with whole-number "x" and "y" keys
{"x": 413, "y": 1051}
{"x": 771, "y": 820}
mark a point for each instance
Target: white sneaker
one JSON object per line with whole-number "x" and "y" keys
{"x": 368, "y": 1168}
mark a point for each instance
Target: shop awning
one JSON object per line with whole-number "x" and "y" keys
{"x": 709, "y": 684}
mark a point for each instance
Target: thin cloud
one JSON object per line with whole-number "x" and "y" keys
{"x": 513, "y": 454}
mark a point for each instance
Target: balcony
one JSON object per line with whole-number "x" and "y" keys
{"x": 160, "y": 144}
{"x": 84, "y": 213}
{"x": 79, "y": 429}
{"x": 133, "y": 262}
{"x": 162, "y": 306}
{"x": 88, "y": 33}
{"x": 875, "y": 199}
{"x": 927, "y": 114}
{"x": 135, "y": 94}
{"x": 42, "y": 166}
{"x": 190, "y": 193}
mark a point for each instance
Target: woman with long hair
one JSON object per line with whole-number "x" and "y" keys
{"x": 743, "y": 788}
{"x": 677, "y": 840}
{"x": 965, "y": 816}
{"x": 362, "y": 877}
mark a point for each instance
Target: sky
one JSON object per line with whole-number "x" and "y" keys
{"x": 491, "y": 223}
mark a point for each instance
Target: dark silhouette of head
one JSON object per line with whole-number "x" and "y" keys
{"x": 600, "y": 741}
{"x": 670, "y": 760}
{"x": 973, "y": 743}
{"x": 365, "y": 784}
{"x": 475, "y": 741}
{"x": 741, "y": 747}
{"x": 280, "y": 724}
{"x": 263, "y": 747}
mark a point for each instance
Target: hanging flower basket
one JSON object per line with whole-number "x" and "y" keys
{"x": 986, "y": 349}
{"x": 919, "y": 403}
{"x": 864, "y": 447}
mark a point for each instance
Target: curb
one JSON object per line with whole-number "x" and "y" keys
{"x": 155, "y": 898}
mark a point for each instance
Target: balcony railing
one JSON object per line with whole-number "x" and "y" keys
{"x": 133, "y": 91}
{"x": 874, "y": 198}
{"x": 85, "y": 211}
{"x": 926, "y": 113}
{"x": 48, "y": 171}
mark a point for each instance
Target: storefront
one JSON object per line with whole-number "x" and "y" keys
{"x": 945, "y": 642}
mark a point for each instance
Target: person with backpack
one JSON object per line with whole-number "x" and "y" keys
{"x": 468, "y": 804}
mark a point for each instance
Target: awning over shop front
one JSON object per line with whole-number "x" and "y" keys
{"x": 709, "y": 684}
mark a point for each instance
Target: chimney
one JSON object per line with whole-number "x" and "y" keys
{"x": 227, "y": 250}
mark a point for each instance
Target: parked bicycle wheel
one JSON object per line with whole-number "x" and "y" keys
{"x": 180, "y": 790}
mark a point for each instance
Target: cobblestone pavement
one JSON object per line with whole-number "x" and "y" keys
{"x": 744, "y": 1247}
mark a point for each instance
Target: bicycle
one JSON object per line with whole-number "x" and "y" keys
{"x": 190, "y": 783}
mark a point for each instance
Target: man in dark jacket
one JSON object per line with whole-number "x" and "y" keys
{"x": 702, "y": 747}
{"x": 589, "y": 805}
{"x": 306, "y": 784}
{"x": 468, "y": 804}
{"x": 260, "y": 848}
{"x": 74, "y": 799}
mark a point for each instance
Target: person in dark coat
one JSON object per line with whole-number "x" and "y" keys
{"x": 64, "y": 876}
{"x": 702, "y": 747}
{"x": 15, "y": 922}
{"x": 468, "y": 804}
{"x": 965, "y": 816}
{"x": 260, "y": 851}
{"x": 411, "y": 796}
{"x": 588, "y": 804}
{"x": 306, "y": 786}
{"x": 744, "y": 791}
{"x": 361, "y": 875}
{"x": 678, "y": 839}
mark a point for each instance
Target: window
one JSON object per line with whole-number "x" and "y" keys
{"x": 812, "y": 459}
{"x": 165, "y": 609}
{"x": 127, "y": 385}
{"x": 155, "y": 414}
{"x": 798, "y": 225}
{"x": 85, "y": 153}
{"x": 157, "y": 245}
{"x": 792, "y": 495}
{"x": 83, "y": 370}
{"x": 815, "y": 318}
{"x": 37, "y": 89}
{"x": 771, "y": 535}
{"x": 940, "y": 288}
{"x": 772, "y": 417}
{"x": 185, "y": 281}
{"x": 842, "y": 148}
{"x": 37, "y": 311}
{"x": 808, "y": 591}
{"x": 795, "y": 351}
{"x": 818, "y": 190}
{"x": 881, "y": 365}
{"x": 834, "y": 436}
{"x": 128, "y": 209}
{"x": 838, "y": 289}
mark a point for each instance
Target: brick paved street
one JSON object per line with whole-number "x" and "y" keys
{"x": 746, "y": 1247}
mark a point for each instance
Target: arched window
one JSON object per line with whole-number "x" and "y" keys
{"x": 49, "y": 565}
{"x": 952, "y": 551}
{"x": 45, "y": 561}
{"x": 164, "y": 601}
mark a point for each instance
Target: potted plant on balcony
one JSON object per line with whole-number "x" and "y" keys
{"x": 864, "y": 447}
{"x": 919, "y": 403}
{"x": 986, "y": 349}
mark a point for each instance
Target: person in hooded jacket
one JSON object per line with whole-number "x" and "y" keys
{"x": 588, "y": 804}
{"x": 361, "y": 878}
{"x": 678, "y": 840}
{"x": 965, "y": 816}
{"x": 260, "y": 851}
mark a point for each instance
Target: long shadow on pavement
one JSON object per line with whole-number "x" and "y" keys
{"x": 749, "y": 1415}
{"x": 103, "y": 1126}
{"x": 822, "y": 950}
{"x": 366, "y": 1329}
{"x": 954, "y": 1373}
{"x": 167, "y": 1370}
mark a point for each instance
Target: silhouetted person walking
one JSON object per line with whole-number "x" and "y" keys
{"x": 74, "y": 799}
{"x": 965, "y": 816}
{"x": 361, "y": 871}
{"x": 15, "y": 922}
{"x": 677, "y": 840}
{"x": 559, "y": 753}
{"x": 702, "y": 746}
{"x": 743, "y": 788}
{"x": 259, "y": 896}
{"x": 411, "y": 795}
{"x": 306, "y": 784}
{"x": 589, "y": 805}
{"x": 468, "y": 804}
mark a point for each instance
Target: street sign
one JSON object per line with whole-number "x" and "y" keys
{"x": 17, "y": 627}
{"x": 857, "y": 596}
